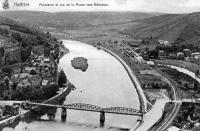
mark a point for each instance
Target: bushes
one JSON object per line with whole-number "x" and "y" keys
{"x": 36, "y": 94}
{"x": 62, "y": 78}
{"x": 17, "y": 36}
{"x": 4, "y": 32}
{"x": 7, "y": 70}
{"x": 25, "y": 53}
{"x": 157, "y": 85}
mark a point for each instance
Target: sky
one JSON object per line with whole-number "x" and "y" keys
{"x": 163, "y": 6}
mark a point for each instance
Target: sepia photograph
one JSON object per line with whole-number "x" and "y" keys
{"x": 99, "y": 65}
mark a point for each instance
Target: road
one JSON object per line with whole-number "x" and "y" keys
{"x": 176, "y": 94}
{"x": 177, "y": 97}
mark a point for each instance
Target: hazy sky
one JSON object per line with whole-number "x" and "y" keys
{"x": 167, "y": 6}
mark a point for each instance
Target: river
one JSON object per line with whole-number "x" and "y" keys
{"x": 105, "y": 83}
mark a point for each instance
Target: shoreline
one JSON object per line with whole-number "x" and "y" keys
{"x": 135, "y": 81}
{"x": 140, "y": 91}
{"x": 11, "y": 120}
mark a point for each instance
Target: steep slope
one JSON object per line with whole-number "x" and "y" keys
{"x": 172, "y": 27}
{"x": 30, "y": 35}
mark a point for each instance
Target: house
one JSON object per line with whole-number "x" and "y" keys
{"x": 35, "y": 80}
{"x": 132, "y": 44}
{"x": 162, "y": 54}
{"x": 45, "y": 82}
{"x": 180, "y": 55}
{"x": 164, "y": 42}
{"x": 137, "y": 50}
{"x": 18, "y": 77}
{"x": 151, "y": 63}
{"x": 46, "y": 60}
{"x": 187, "y": 52}
{"x": 48, "y": 76}
{"x": 172, "y": 56}
{"x": 24, "y": 84}
{"x": 196, "y": 55}
{"x": 29, "y": 69}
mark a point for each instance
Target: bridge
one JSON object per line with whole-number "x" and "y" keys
{"x": 193, "y": 100}
{"x": 86, "y": 107}
{"x": 89, "y": 107}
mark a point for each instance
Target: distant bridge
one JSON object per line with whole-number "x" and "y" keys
{"x": 193, "y": 100}
{"x": 92, "y": 108}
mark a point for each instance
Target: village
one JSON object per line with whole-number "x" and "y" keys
{"x": 34, "y": 79}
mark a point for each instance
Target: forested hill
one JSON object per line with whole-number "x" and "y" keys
{"x": 30, "y": 35}
{"x": 178, "y": 28}
{"x": 74, "y": 20}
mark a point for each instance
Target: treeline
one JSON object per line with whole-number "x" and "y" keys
{"x": 27, "y": 43}
{"x": 35, "y": 94}
{"x": 4, "y": 32}
{"x": 154, "y": 54}
{"x": 23, "y": 29}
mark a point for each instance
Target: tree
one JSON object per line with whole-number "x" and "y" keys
{"x": 14, "y": 87}
{"x": 56, "y": 53}
{"x": 17, "y": 37}
{"x": 23, "y": 55}
{"x": 47, "y": 52}
{"x": 56, "y": 46}
{"x": 7, "y": 70}
{"x": 32, "y": 72}
{"x": 195, "y": 85}
{"x": 197, "y": 73}
{"x": 4, "y": 31}
{"x": 62, "y": 79}
{"x": 24, "y": 44}
{"x": 6, "y": 81}
{"x": 2, "y": 51}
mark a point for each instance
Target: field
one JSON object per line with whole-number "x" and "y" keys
{"x": 180, "y": 63}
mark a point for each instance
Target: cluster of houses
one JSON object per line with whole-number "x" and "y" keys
{"x": 186, "y": 55}
{"x": 164, "y": 42}
{"x": 38, "y": 72}
{"x": 10, "y": 52}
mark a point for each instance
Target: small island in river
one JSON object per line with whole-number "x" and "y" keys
{"x": 80, "y": 63}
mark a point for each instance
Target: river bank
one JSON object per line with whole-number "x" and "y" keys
{"x": 135, "y": 81}
{"x": 14, "y": 120}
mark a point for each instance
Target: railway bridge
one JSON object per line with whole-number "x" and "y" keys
{"x": 87, "y": 107}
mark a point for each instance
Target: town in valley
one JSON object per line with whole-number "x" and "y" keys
{"x": 99, "y": 70}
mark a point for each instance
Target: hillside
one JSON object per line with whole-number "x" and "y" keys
{"x": 73, "y": 20}
{"x": 29, "y": 34}
{"x": 172, "y": 27}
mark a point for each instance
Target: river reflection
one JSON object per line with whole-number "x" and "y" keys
{"x": 105, "y": 84}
